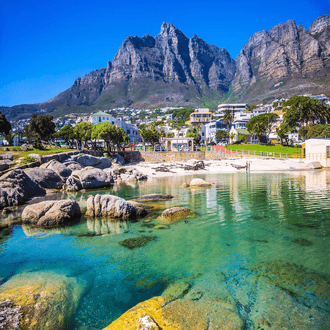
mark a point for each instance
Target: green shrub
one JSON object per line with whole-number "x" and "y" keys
{"x": 28, "y": 160}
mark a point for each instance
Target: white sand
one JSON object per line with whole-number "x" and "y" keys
{"x": 222, "y": 166}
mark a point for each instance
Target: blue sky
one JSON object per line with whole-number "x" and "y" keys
{"x": 45, "y": 45}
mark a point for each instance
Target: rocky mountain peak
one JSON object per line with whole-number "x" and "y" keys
{"x": 319, "y": 25}
{"x": 169, "y": 30}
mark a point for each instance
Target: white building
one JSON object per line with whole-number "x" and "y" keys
{"x": 233, "y": 108}
{"x": 318, "y": 150}
{"x": 130, "y": 129}
{"x": 208, "y": 132}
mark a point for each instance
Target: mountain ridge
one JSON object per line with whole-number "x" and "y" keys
{"x": 171, "y": 69}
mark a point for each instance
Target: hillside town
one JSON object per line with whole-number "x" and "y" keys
{"x": 204, "y": 121}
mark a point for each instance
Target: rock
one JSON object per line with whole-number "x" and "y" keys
{"x": 161, "y": 227}
{"x": 7, "y": 156}
{"x": 155, "y": 314}
{"x": 154, "y": 197}
{"x": 199, "y": 183}
{"x": 57, "y": 167}
{"x": 39, "y": 300}
{"x": 5, "y": 164}
{"x": 45, "y": 177}
{"x": 97, "y": 162}
{"x": 185, "y": 185}
{"x": 72, "y": 165}
{"x": 315, "y": 165}
{"x": 24, "y": 147}
{"x": 110, "y": 206}
{"x": 72, "y": 184}
{"x": 51, "y": 213}
{"x": 10, "y": 315}
{"x": 16, "y": 188}
{"x": 302, "y": 241}
{"x": 176, "y": 290}
{"x": 90, "y": 178}
{"x": 37, "y": 157}
{"x": 141, "y": 209}
{"x": 136, "y": 242}
{"x": 174, "y": 214}
{"x": 118, "y": 159}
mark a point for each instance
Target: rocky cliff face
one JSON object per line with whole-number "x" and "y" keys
{"x": 286, "y": 51}
{"x": 172, "y": 69}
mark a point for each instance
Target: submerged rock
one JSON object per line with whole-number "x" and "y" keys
{"x": 185, "y": 185}
{"x": 199, "y": 183}
{"x": 52, "y": 213}
{"x": 180, "y": 314}
{"x": 174, "y": 214}
{"x": 110, "y": 206}
{"x": 136, "y": 242}
{"x": 154, "y": 197}
{"x": 45, "y": 177}
{"x": 302, "y": 241}
{"x": 16, "y": 188}
{"x": 10, "y": 315}
{"x": 39, "y": 300}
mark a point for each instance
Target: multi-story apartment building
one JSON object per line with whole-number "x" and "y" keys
{"x": 200, "y": 116}
{"x": 234, "y": 108}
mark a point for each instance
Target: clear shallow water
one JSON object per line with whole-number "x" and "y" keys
{"x": 246, "y": 226}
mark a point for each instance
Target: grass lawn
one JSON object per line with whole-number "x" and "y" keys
{"x": 291, "y": 151}
{"x": 17, "y": 154}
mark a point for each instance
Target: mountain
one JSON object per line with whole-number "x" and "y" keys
{"x": 284, "y": 61}
{"x": 173, "y": 70}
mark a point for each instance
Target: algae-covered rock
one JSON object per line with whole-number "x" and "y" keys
{"x": 141, "y": 209}
{"x": 155, "y": 197}
{"x": 176, "y": 290}
{"x": 136, "y": 242}
{"x": 174, "y": 214}
{"x": 42, "y": 300}
{"x": 161, "y": 227}
{"x": 302, "y": 241}
{"x": 184, "y": 315}
{"x": 199, "y": 183}
{"x": 185, "y": 185}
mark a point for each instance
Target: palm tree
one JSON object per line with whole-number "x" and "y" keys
{"x": 228, "y": 119}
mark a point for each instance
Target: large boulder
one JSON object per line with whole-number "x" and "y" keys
{"x": 5, "y": 164}
{"x": 154, "y": 197}
{"x": 74, "y": 167}
{"x": 16, "y": 187}
{"x": 315, "y": 165}
{"x": 88, "y": 160}
{"x": 72, "y": 184}
{"x": 156, "y": 314}
{"x": 38, "y": 300}
{"x": 110, "y": 206}
{"x": 118, "y": 159}
{"x": 174, "y": 214}
{"x": 52, "y": 213}
{"x": 57, "y": 167}
{"x": 7, "y": 156}
{"x": 45, "y": 177}
{"x": 90, "y": 178}
{"x": 199, "y": 183}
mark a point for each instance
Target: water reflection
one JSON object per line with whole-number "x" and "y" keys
{"x": 107, "y": 226}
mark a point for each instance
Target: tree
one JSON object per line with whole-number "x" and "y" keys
{"x": 41, "y": 127}
{"x": 301, "y": 110}
{"x": 259, "y": 125}
{"x": 193, "y": 132}
{"x": 83, "y": 132}
{"x": 5, "y": 126}
{"x": 228, "y": 119}
{"x": 302, "y": 134}
{"x": 170, "y": 135}
{"x": 67, "y": 133}
{"x": 283, "y": 131}
{"x": 150, "y": 135}
{"x": 318, "y": 131}
{"x": 221, "y": 135}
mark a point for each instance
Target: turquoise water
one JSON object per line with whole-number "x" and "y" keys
{"x": 246, "y": 227}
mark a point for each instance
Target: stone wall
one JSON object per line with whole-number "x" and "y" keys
{"x": 170, "y": 156}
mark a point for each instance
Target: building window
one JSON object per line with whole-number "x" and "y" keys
{"x": 99, "y": 119}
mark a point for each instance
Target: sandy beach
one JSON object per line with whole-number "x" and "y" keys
{"x": 220, "y": 166}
